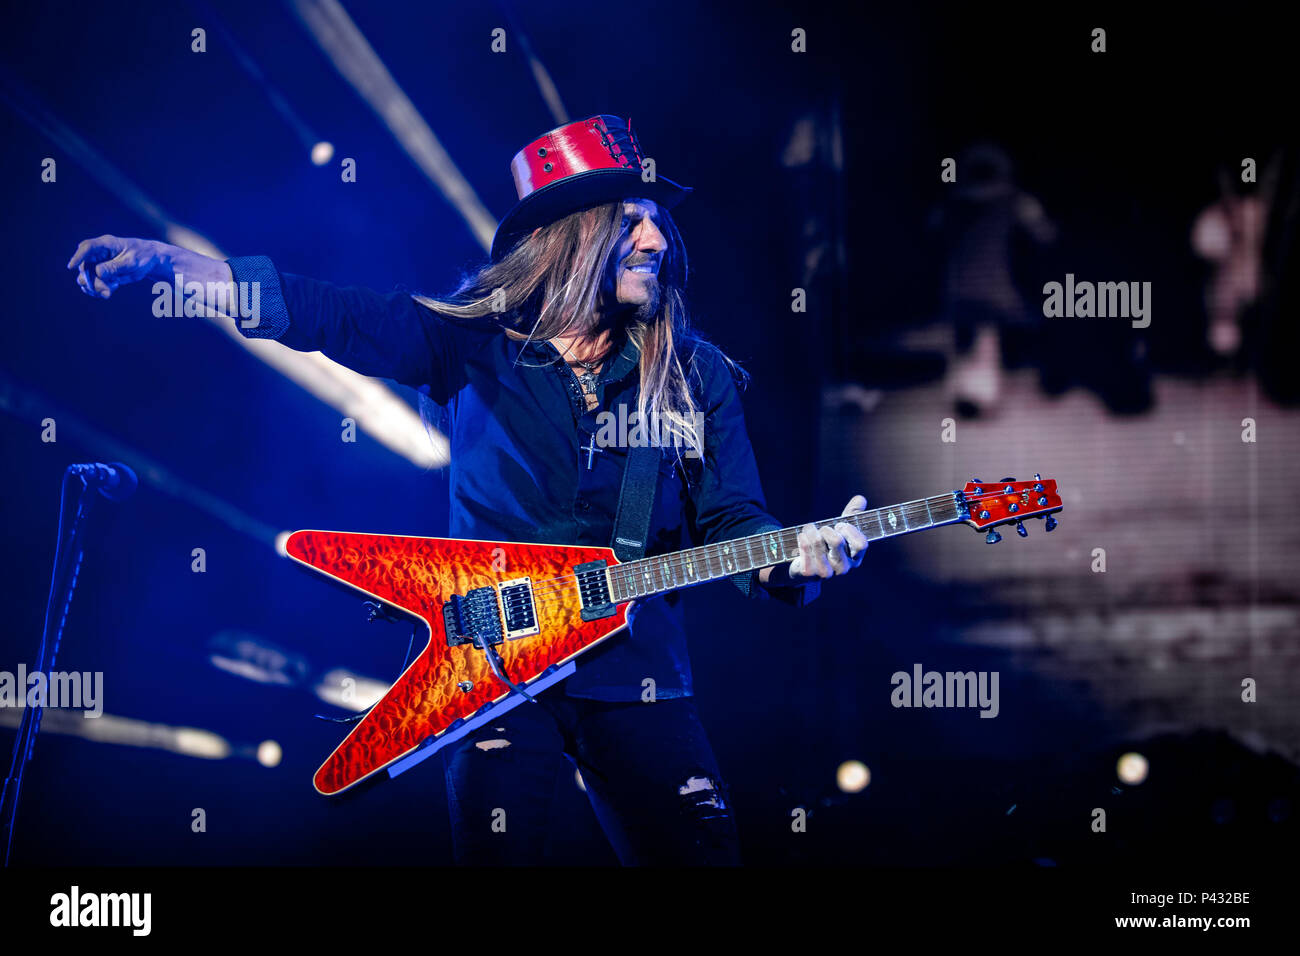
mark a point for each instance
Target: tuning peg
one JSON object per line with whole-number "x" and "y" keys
{"x": 1022, "y": 530}
{"x": 1007, "y": 479}
{"x": 978, "y": 481}
{"x": 1050, "y": 524}
{"x": 992, "y": 537}
{"x": 984, "y": 516}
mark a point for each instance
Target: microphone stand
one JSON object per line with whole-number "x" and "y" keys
{"x": 67, "y": 563}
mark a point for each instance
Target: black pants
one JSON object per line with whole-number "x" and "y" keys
{"x": 648, "y": 770}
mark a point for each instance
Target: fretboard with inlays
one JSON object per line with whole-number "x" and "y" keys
{"x": 680, "y": 569}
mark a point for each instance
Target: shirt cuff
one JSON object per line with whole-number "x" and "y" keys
{"x": 796, "y": 595}
{"x": 270, "y": 315}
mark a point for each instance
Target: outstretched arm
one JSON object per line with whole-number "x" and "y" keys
{"x": 391, "y": 335}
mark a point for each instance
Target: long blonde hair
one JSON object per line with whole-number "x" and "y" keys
{"x": 549, "y": 284}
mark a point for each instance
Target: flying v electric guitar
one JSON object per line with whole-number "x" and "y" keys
{"x": 505, "y": 615}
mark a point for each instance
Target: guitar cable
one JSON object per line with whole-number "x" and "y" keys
{"x": 497, "y": 665}
{"x": 570, "y": 742}
{"x": 498, "y": 668}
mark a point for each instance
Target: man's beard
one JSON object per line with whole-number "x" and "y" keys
{"x": 647, "y": 309}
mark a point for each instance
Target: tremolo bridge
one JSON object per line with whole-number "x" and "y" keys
{"x": 490, "y": 615}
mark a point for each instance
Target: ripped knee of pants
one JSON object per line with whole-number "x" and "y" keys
{"x": 703, "y": 797}
{"x": 497, "y": 744}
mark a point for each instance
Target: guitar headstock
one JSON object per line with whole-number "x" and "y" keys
{"x": 993, "y": 503}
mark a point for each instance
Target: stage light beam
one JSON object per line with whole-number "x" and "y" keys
{"x": 357, "y": 62}
{"x": 377, "y": 410}
{"x": 350, "y": 691}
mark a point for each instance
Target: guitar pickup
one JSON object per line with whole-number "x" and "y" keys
{"x": 472, "y": 618}
{"x": 593, "y": 590}
{"x": 519, "y": 608}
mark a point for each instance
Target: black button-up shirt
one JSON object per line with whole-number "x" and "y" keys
{"x": 525, "y": 465}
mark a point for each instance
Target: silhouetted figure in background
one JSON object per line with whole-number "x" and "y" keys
{"x": 979, "y": 221}
{"x": 1278, "y": 336}
{"x": 1229, "y": 233}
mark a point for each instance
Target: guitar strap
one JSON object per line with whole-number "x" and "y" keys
{"x": 635, "y": 502}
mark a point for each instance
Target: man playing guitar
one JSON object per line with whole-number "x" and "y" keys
{"x": 580, "y": 310}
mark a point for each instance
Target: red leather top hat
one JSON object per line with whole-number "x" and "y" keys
{"x": 580, "y": 164}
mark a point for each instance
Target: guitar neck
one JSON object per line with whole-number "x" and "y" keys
{"x": 711, "y": 562}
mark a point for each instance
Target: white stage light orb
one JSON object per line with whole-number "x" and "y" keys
{"x": 1131, "y": 768}
{"x": 269, "y": 753}
{"x": 853, "y": 776}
